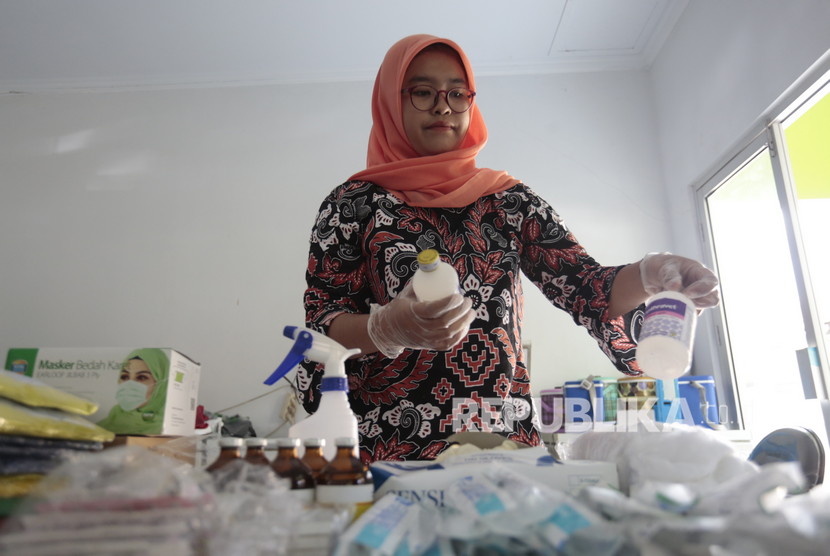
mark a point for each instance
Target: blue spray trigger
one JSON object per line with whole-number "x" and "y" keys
{"x": 295, "y": 355}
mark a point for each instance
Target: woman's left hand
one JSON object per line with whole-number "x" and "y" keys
{"x": 664, "y": 271}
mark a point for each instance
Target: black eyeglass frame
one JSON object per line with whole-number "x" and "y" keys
{"x": 437, "y": 96}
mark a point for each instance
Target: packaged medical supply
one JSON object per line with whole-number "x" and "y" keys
{"x": 664, "y": 348}
{"x": 381, "y": 529}
{"x": 490, "y": 510}
{"x": 674, "y": 453}
{"x": 36, "y": 393}
{"x": 123, "y": 500}
{"x": 161, "y": 402}
{"x": 434, "y": 278}
{"x": 426, "y": 481}
{"x": 334, "y": 417}
{"x": 287, "y": 465}
{"x": 18, "y": 419}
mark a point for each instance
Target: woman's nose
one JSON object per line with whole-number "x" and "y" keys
{"x": 441, "y": 104}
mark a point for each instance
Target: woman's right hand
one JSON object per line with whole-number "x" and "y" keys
{"x": 406, "y": 322}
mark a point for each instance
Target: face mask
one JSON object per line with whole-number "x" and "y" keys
{"x": 130, "y": 395}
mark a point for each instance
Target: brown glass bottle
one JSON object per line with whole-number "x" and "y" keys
{"x": 255, "y": 451}
{"x": 345, "y": 480}
{"x": 313, "y": 456}
{"x": 230, "y": 449}
{"x": 288, "y": 466}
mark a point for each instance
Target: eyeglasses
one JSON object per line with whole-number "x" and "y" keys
{"x": 424, "y": 97}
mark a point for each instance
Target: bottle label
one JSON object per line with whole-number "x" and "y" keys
{"x": 304, "y": 495}
{"x": 334, "y": 383}
{"x": 667, "y": 317}
{"x": 344, "y": 494}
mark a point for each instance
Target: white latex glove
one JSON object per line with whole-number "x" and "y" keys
{"x": 406, "y": 322}
{"x": 664, "y": 271}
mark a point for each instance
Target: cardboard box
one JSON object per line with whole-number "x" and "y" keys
{"x": 149, "y": 391}
{"x": 427, "y": 481}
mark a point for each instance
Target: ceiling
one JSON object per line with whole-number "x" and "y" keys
{"x": 55, "y": 45}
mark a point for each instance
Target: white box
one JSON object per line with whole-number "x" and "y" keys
{"x": 168, "y": 380}
{"x": 426, "y": 481}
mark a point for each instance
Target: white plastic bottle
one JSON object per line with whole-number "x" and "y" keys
{"x": 664, "y": 349}
{"x": 334, "y": 417}
{"x": 434, "y": 278}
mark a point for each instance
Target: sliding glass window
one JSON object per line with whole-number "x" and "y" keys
{"x": 767, "y": 226}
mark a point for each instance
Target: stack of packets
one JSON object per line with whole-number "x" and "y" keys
{"x": 122, "y": 500}
{"x": 726, "y": 506}
{"x": 40, "y": 427}
{"x": 427, "y": 481}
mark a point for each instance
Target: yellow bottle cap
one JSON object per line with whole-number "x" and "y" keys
{"x": 428, "y": 257}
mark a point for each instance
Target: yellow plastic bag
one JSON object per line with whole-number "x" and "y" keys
{"x": 18, "y": 419}
{"x": 15, "y": 486}
{"x": 35, "y": 393}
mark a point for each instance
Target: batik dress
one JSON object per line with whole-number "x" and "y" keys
{"x": 363, "y": 250}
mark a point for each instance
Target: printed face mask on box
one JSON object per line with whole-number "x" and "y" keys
{"x": 130, "y": 395}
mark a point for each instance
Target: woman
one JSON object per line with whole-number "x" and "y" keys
{"x": 428, "y": 370}
{"x": 141, "y": 394}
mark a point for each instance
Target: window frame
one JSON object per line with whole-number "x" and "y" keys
{"x": 767, "y": 133}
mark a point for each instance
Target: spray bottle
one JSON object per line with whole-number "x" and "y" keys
{"x": 334, "y": 417}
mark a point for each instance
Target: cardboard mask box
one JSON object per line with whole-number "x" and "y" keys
{"x": 149, "y": 391}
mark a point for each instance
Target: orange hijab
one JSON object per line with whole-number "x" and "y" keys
{"x": 448, "y": 179}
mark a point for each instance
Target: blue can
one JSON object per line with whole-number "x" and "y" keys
{"x": 700, "y": 405}
{"x": 581, "y": 404}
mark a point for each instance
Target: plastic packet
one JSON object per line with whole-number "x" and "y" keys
{"x": 480, "y": 497}
{"x": 381, "y": 529}
{"x": 14, "y": 486}
{"x": 671, "y": 497}
{"x": 526, "y": 515}
{"x": 568, "y": 518}
{"x": 617, "y": 506}
{"x": 18, "y": 419}
{"x": 121, "y": 500}
{"x": 256, "y": 511}
{"x": 752, "y": 493}
{"x": 35, "y": 393}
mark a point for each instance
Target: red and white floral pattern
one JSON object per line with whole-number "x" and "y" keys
{"x": 363, "y": 250}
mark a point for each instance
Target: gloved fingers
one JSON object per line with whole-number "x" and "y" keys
{"x": 664, "y": 272}
{"x": 701, "y": 287}
{"x": 669, "y": 276}
{"x": 707, "y": 301}
{"x": 456, "y": 332}
{"x": 408, "y": 292}
{"x": 439, "y": 308}
{"x": 443, "y": 332}
{"x": 446, "y": 323}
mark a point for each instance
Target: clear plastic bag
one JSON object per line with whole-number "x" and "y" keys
{"x": 121, "y": 500}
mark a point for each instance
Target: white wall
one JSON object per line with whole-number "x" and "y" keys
{"x": 586, "y": 143}
{"x": 723, "y": 66}
{"x": 181, "y": 218}
{"x": 713, "y": 94}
